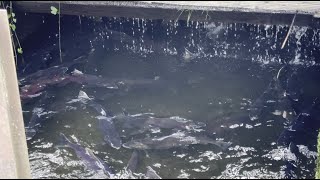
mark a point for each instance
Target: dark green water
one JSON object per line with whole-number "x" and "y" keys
{"x": 213, "y": 90}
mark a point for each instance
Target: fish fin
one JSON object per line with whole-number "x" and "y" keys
{"x": 76, "y": 72}
{"x": 83, "y": 95}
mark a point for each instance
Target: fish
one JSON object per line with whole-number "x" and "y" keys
{"x": 145, "y": 122}
{"x": 44, "y": 74}
{"x": 91, "y": 161}
{"x": 173, "y": 123}
{"x": 91, "y": 80}
{"x": 35, "y": 122}
{"x": 37, "y": 82}
{"x": 177, "y": 139}
{"x": 151, "y": 174}
{"x": 85, "y": 99}
{"x": 291, "y": 163}
{"x": 38, "y": 116}
{"x": 221, "y": 124}
{"x": 302, "y": 131}
{"x": 34, "y": 83}
{"x": 110, "y": 83}
{"x": 110, "y": 134}
{"x": 130, "y": 121}
{"x": 306, "y": 125}
{"x": 133, "y": 161}
{"x": 275, "y": 97}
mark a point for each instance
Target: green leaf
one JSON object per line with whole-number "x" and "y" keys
{"x": 9, "y": 16}
{"x": 14, "y": 20}
{"x": 13, "y": 27}
{"x": 13, "y": 14}
{"x": 20, "y": 50}
{"x": 54, "y": 10}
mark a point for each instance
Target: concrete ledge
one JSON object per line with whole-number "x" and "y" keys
{"x": 255, "y": 12}
{"x": 14, "y": 161}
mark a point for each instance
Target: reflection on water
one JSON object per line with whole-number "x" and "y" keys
{"x": 215, "y": 118}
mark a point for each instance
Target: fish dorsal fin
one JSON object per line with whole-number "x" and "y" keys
{"x": 83, "y": 95}
{"x": 76, "y": 72}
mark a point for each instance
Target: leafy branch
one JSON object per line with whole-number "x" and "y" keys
{"x": 17, "y": 49}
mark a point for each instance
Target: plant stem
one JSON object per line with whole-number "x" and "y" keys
{"x": 60, "y": 34}
{"x": 14, "y": 33}
{"x": 179, "y": 16}
{"x": 14, "y": 52}
{"x": 285, "y": 40}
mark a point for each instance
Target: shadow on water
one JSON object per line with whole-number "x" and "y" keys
{"x": 192, "y": 84}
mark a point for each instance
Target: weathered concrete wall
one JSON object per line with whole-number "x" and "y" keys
{"x": 255, "y": 12}
{"x": 14, "y": 161}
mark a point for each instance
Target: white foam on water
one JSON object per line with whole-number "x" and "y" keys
{"x": 281, "y": 153}
{"x": 181, "y": 155}
{"x": 258, "y": 124}
{"x": 196, "y": 160}
{"x": 211, "y": 155}
{"x": 277, "y": 112}
{"x": 234, "y": 126}
{"x": 248, "y": 126}
{"x": 183, "y": 175}
{"x": 155, "y": 130}
{"x": 158, "y": 165}
{"x": 306, "y": 152}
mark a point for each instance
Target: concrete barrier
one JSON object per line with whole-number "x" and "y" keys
{"x": 14, "y": 161}
{"x": 254, "y": 12}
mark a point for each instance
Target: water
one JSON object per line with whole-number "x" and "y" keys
{"x": 218, "y": 87}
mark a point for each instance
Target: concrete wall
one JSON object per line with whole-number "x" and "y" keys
{"x": 254, "y": 12}
{"x": 14, "y": 161}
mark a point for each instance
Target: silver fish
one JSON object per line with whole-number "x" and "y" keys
{"x": 273, "y": 97}
{"x": 175, "y": 140}
{"x": 90, "y": 160}
{"x": 85, "y": 99}
{"x": 109, "y": 131}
